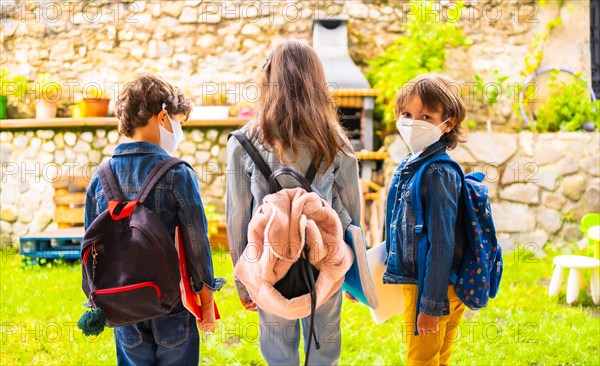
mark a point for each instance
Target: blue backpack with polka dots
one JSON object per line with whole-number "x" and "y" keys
{"x": 479, "y": 274}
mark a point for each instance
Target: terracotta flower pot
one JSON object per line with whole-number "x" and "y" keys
{"x": 96, "y": 107}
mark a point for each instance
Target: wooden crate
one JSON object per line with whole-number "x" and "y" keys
{"x": 69, "y": 197}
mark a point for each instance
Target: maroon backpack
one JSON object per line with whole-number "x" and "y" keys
{"x": 130, "y": 264}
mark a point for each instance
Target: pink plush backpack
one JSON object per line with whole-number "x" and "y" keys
{"x": 296, "y": 257}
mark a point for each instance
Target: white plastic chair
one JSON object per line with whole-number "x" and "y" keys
{"x": 578, "y": 264}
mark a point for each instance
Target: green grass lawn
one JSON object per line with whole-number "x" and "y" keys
{"x": 40, "y": 306}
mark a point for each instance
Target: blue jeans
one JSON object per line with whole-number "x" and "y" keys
{"x": 280, "y": 338}
{"x": 170, "y": 339}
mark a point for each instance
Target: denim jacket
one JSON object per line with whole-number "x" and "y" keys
{"x": 176, "y": 200}
{"x": 441, "y": 187}
{"x": 246, "y": 188}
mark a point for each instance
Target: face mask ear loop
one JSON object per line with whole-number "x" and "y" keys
{"x": 164, "y": 108}
{"x": 447, "y": 119}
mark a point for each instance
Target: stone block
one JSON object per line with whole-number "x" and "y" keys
{"x": 521, "y": 192}
{"x": 547, "y": 177}
{"x": 550, "y": 220}
{"x": 592, "y": 196}
{"x": 188, "y": 15}
{"x": 548, "y": 150}
{"x": 569, "y": 166}
{"x": 572, "y": 187}
{"x": 70, "y": 138}
{"x": 45, "y": 134}
{"x": 8, "y": 213}
{"x": 513, "y": 217}
{"x": 553, "y": 200}
{"x": 494, "y": 148}
{"x": 520, "y": 169}
{"x": 187, "y": 148}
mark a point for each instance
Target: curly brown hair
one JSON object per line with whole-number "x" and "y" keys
{"x": 438, "y": 93}
{"x": 143, "y": 98}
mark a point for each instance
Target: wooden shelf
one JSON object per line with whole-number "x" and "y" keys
{"x": 104, "y": 122}
{"x": 371, "y": 155}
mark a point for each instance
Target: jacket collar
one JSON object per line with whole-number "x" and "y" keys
{"x": 138, "y": 147}
{"x": 435, "y": 149}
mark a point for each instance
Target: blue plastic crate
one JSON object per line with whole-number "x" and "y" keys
{"x": 52, "y": 244}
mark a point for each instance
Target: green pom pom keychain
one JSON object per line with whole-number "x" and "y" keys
{"x": 92, "y": 322}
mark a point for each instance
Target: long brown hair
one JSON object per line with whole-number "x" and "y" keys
{"x": 295, "y": 107}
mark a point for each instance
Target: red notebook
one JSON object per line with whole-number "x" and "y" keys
{"x": 188, "y": 297}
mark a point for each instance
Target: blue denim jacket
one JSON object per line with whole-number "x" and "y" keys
{"x": 441, "y": 187}
{"x": 176, "y": 200}
{"x": 246, "y": 188}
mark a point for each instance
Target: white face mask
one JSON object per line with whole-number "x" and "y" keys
{"x": 169, "y": 141}
{"x": 418, "y": 134}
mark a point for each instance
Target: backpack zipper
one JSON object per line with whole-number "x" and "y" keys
{"x": 158, "y": 248}
{"x": 137, "y": 286}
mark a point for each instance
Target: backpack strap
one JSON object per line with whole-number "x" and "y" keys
{"x": 253, "y": 152}
{"x": 274, "y": 184}
{"x": 417, "y": 206}
{"x": 156, "y": 174}
{"x": 109, "y": 183}
{"x": 264, "y": 167}
{"x": 311, "y": 173}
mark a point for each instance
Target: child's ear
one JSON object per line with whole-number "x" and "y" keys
{"x": 451, "y": 124}
{"x": 163, "y": 117}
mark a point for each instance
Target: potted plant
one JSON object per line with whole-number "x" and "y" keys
{"x": 242, "y": 110}
{"x": 95, "y": 101}
{"x": 78, "y": 109}
{"x": 46, "y": 101}
{"x": 214, "y": 107}
{"x": 14, "y": 85}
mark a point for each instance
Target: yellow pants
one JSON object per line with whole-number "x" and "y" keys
{"x": 431, "y": 349}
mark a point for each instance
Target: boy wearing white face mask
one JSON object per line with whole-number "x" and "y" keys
{"x": 150, "y": 112}
{"x": 429, "y": 111}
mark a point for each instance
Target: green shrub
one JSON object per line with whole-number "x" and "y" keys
{"x": 422, "y": 49}
{"x": 13, "y": 85}
{"x": 568, "y": 108}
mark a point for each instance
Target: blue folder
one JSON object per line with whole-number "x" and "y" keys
{"x": 358, "y": 281}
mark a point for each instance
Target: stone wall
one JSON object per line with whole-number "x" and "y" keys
{"x": 198, "y": 43}
{"x": 540, "y": 184}
{"x": 30, "y": 161}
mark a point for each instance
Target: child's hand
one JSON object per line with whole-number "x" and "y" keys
{"x": 208, "y": 323}
{"x": 350, "y": 297}
{"x": 207, "y": 308}
{"x": 427, "y": 324}
{"x": 248, "y": 304}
